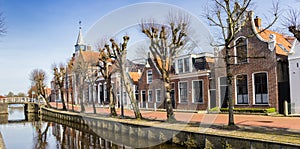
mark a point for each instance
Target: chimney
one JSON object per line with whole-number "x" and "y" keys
{"x": 257, "y": 22}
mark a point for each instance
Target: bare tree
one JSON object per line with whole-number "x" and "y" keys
{"x": 292, "y": 21}
{"x": 107, "y": 69}
{"x": 119, "y": 53}
{"x": 166, "y": 42}
{"x": 229, "y": 16}
{"x": 92, "y": 76}
{"x": 59, "y": 79}
{"x": 38, "y": 78}
{"x": 80, "y": 69}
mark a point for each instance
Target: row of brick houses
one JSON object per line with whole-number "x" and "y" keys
{"x": 198, "y": 81}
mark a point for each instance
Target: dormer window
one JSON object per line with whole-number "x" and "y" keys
{"x": 183, "y": 65}
{"x": 241, "y": 50}
{"x": 180, "y": 66}
{"x": 186, "y": 65}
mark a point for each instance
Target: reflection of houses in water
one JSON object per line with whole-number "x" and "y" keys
{"x": 73, "y": 138}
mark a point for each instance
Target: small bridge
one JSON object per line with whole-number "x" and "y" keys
{"x": 31, "y": 105}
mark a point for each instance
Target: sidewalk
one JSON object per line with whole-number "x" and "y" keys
{"x": 270, "y": 122}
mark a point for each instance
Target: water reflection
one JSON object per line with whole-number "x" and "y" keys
{"x": 40, "y": 134}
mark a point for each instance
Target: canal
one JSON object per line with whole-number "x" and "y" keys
{"x": 30, "y": 132}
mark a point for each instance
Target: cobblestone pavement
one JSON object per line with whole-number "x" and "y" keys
{"x": 278, "y": 122}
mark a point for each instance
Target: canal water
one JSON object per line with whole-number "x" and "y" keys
{"x": 22, "y": 132}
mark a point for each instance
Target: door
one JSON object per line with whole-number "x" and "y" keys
{"x": 144, "y": 99}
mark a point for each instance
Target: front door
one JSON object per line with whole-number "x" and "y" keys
{"x": 144, "y": 99}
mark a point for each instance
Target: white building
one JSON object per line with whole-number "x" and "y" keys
{"x": 294, "y": 71}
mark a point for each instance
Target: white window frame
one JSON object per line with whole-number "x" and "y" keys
{"x": 184, "y": 68}
{"x": 193, "y": 98}
{"x": 150, "y": 99}
{"x": 149, "y": 80}
{"x": 236, "y": 90}
{"x": 187, "y": 90}
{"x": 158, "y": 95}
{"x": 235, "y": 50}
{"x": 253, "y": 87}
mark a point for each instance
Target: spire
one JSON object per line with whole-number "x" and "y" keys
{"x": 80, "y": 38}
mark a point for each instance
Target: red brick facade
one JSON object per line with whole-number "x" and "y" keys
{"x": 260, "y": 59}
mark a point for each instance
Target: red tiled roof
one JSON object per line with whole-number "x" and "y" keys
{"x": 283, "y": 44}
{"x": 135, "y": 76}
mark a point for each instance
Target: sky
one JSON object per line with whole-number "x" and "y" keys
{"x": 42, "y": 33}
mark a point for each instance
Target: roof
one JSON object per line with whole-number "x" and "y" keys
{"x": 90, "y": 55}
{"x": 135, "y": 76}
{"x": 283, "y": 44}
{"x": 2, "y": 96}
{"x": 79, "y": 38}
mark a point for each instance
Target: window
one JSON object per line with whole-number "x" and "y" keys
{"x": 242, "y": 89}
{"x": 158, "y": 95}
{"x": 241, "y": 50}
{"x": 198, "y": 91}
{"x": 261, "y": 88}
{"x": 149, "y": 95}
{"x": 183, "y": 92}
{"x": 186, "y": 65}
{"x": 149, "y": 76}
{"x": 180, "y": 66}
{"x": 223, "y": 92}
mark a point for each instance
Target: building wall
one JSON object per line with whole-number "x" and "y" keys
{"x": 190, "y": 105}
{"x": 294, "y": 85}
{"x": 263, "y": 60}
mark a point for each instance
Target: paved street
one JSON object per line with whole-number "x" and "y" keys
{"x": 280, "y": 122}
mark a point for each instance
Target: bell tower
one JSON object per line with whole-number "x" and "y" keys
{"x": 79, "y": 45}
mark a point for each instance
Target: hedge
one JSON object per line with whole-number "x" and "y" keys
{"x": 250, "y": 110}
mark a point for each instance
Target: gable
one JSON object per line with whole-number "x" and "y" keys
{"x": 295, "y": 51}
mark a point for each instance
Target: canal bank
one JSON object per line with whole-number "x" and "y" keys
{"x": 189, "y": 134}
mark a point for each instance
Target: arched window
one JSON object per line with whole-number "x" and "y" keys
{"x": 241, "y": 50}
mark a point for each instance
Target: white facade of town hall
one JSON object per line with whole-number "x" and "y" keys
{"x": 294, "y": 68}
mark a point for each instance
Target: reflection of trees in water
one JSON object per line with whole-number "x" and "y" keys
{"x": 40, "y": 140}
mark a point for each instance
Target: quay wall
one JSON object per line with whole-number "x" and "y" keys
{"x": 137, "y": 133}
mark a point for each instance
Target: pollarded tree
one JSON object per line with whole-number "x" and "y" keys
{"x": 38, "y": 78}
{"x": 59, "y": 79}
{"x": 107, "y": 69}
{"x": 229, "y": 17}
{"x": 166, "y": 42}
{"x": 118, "y": 54}
{"x": 292, "y": 21}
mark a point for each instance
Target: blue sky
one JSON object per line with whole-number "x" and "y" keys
{"x": 41, "y": 33}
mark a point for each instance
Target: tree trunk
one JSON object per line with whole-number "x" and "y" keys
{"x": 131, "y": 95}
{"x": 109, "y": 92}
{"x": 93, "y": 101}
{"x": 169, "y": 107}
{"x": 128, "y": 88}
{"x": 63, "y": 99}
{"x": 81, "y": 100}
{"x": 229, "y": 89}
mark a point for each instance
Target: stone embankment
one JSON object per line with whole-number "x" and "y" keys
{"x": 195, "y": 135}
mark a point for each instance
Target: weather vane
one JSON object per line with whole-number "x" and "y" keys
{"x": 79, "y": 24}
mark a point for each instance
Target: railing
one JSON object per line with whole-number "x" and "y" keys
{"x": 21, "y": 100}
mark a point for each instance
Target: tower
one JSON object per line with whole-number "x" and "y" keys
{"x": 79, "y": 45}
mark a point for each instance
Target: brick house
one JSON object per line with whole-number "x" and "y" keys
{"x": 189, "y": 83}
{"x": 259, "y": 68}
